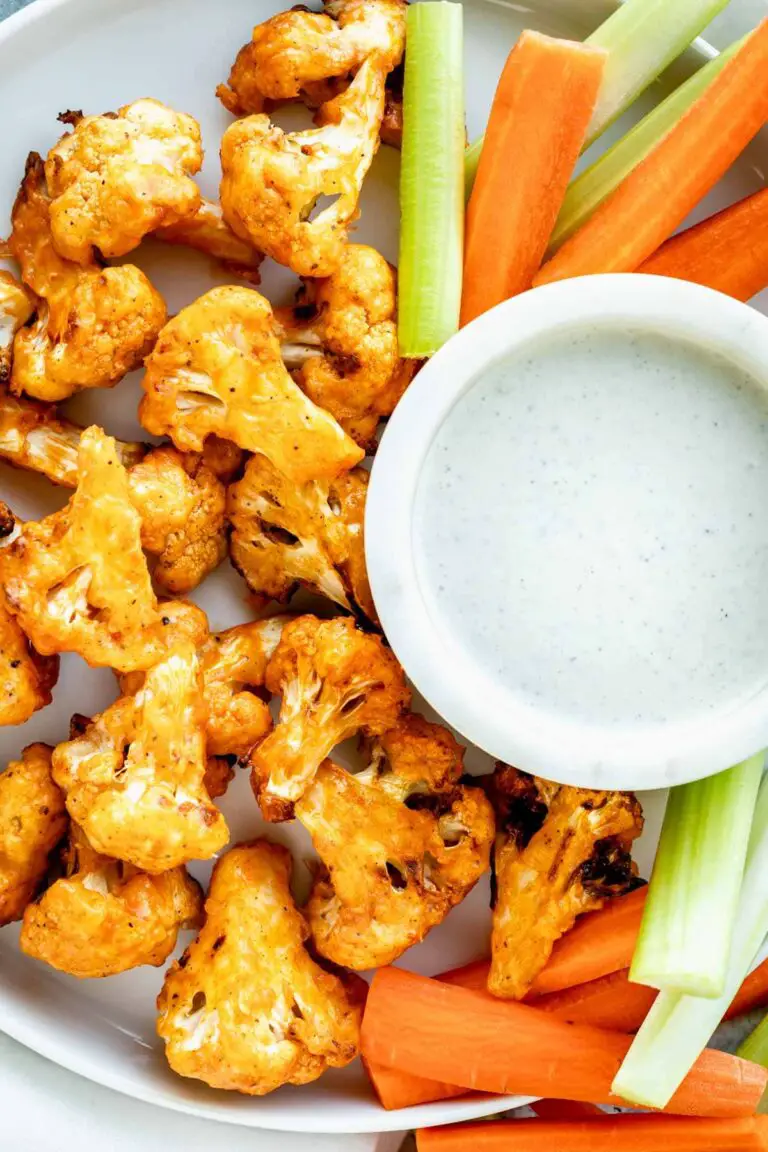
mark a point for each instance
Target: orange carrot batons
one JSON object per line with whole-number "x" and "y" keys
{"x": 728, "y": 252}
{"x": 538, "y": 122}
{"x": 659, "y": 193}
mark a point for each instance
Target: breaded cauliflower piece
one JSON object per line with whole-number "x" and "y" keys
{"x": 335, "y": 681}
{"x": 398, "y": 850}
{"x": 17, "y": 306}
{"x": 559, "y": 852}
{"x": 285, "y": 535}
{"x": 272, "y": 180}
{"x": 292, "y": 52}
{"x": 233, "y": 665}
{"x": 33, "y": 821}
{"x": 247, "y": 1008}
{"x": 93, "y": 324}
{"x": 78, "y": 581}
{"x": 134, "y": 780}
{"x": 104, "y": 916}
{"x": 340, "y": 343}
{"x": 208, "y": 232}
{"x": 116, "y": 177}
{"x": 179, "y": 499}
{"x": 217, "y": 370}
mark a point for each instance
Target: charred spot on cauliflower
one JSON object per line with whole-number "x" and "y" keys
{"x": 273, "y": 181}
{"x": 559, "y": 852}
{"x": 93, "y": 324}
{"x": 116, "y": 177}
{"x": 104, "y": 916}
{"x": 334, "y": 681}
{"x": 285, "y": 535}
{"x": 400, "y": 844}
{"x": 78, "y": 581}
{"x": 217, "y": 370}
{"x": 247, "y": 1008}
{"x": 135, "y": 779}
{"x": 33, "y": 822}
{"x": 340, "y": 343}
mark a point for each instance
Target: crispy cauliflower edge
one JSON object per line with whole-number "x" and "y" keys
{"x": 559, "y": 852}
{"x": 246, "y": 1008}
{"x": 335, "y": 681}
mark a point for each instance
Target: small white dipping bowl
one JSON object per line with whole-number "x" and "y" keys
{"x": 567, "y": 532}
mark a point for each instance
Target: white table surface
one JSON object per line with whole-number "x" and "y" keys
{"x": 45, "y": 1109}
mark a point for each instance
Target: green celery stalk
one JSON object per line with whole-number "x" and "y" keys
{"x": 642, "y": 37}
{"x": 755, "y": 1048}
{"x": 679, "y": 1027}
{"x": 685, "y": 936}
{"x": 587, "y": 191}
{"x": 431, "y": 178}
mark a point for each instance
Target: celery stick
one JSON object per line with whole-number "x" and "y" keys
{"x": 679, "y": 1027}
{"x": 431, "y": 178}
{"x": 588, "y": 190}
{"x": 755, "y": 1048}
{"x": 642, "y": 37}
{"x": 685, "y": 936}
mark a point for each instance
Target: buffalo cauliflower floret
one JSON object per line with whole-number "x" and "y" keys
{"x": 335, "y": 681}
{"x": 16, "y": 307}
{"x": 397, "y": 851}
{"x": 273, "y": 181}
{"x": 93, "y": 324}
{"x": 78, "y": 580}
{"x": 134, "y": 780}
{"x": 294, "y": 51}
{"x": 33, "y": 821}
{"x": 216, "y": 369}
{"x": 104, "y": 916}
{"x": 180, "y": 501}
{"x": 233, "y": 665}
{"x": 116, "y": 177}
{"x": 285, "y": 535}
{"x": 559, "y": 852}
{"x": 208, "y": 232}
{"x": 247, "y": 1008}
{"x": 340, "y": 342}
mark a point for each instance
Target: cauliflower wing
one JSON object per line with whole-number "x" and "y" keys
{"x": 78, "y": 580}
{"x": 116, "y": 177}
{"x": 104, "y": 917}
{"x": 208, "y": 232}
{"x": 17, "y": 306}
{"x": 294, "y": 51}
{"x": 233, "y": 665}
{"x": 340, "y": 343}
{"x": 134, "y": 780}
{"x": 398, "y": 850}
{"x": 93, "y": 324}
{"x": 216, "y": 369}
{"x": 284, "y": 535}
{"x": 273, "y": 181}
{"x": 247, "y": 1008}
{"x": 335, "y": 681}
{"x": 33, "y": 821}
{"x": 559, "y": 852}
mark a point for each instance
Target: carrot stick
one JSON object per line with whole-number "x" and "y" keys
{"x": 659, "y": 193}
{"x": 564, "y": 1110}
{"x": 538, "y": 122}
{"x": 611, "y": 1002}
{"x": 752, "y": 994}
{"x": 454, "y": 1035}
{"x": 599, "y": 943}
{"x": 601, "y": 1134}
{"x": 729, "y": 251}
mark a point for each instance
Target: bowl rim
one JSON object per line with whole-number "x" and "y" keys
{"x": 564, "y": 749}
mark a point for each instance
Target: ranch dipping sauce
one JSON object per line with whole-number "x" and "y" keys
{"x": 591, "y": 526}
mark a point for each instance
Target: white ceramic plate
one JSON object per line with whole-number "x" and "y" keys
{"x": 96, "y": 55}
